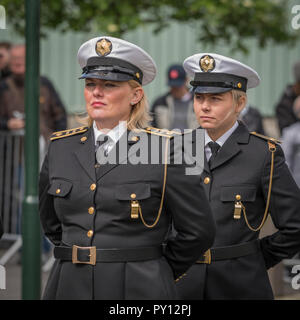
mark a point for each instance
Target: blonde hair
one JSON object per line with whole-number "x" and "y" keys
{"x": 237, "y": 95}
{"x": 139, "y": 116}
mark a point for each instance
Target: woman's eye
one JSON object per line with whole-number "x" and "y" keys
{"x": 110, "y": 85}
{"x": 90, "y": 84}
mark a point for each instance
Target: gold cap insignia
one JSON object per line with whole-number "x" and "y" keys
{"x": 103, "y": 47}
{"x": 239, "y": 85}
{"x": 137, "y": 75}
{"x": 207, "y": 63}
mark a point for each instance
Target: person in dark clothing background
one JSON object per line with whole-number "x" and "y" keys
{"x": 174, "y": 109}
{"x": 252, "y": 118}
{"x": 4, "y": 59}
{"x": 284, "y": 108}
{"x": 12, "y": 107}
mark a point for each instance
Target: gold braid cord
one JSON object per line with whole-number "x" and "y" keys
{"x": 272, "y": 149}
{"x": 163, "y": 192}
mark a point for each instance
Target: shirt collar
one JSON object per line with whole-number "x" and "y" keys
{"x": 114, "y": 134}
{"x": 223, "y": 138}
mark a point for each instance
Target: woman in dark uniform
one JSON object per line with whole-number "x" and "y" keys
{"x": 108, "y": 214}
{"x": 245, "y": 178}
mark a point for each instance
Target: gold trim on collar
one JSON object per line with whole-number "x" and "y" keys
{"x": 67, "y": 133}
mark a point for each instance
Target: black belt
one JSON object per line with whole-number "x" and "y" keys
{"x": 229, "y": 252}
{"x": 91, "y": 255}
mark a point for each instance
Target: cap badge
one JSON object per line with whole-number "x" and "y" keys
{"x": 103, "y": 47}
{"x": 207, "y": 63}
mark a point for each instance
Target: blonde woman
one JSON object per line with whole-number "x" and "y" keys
{"x": 245, "y": 178}
{"x": 109, "y": 215}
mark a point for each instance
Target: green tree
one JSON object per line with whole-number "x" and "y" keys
{"x": 231, "y": 21}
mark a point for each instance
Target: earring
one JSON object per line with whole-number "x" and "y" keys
{"x": 132, "y": 103}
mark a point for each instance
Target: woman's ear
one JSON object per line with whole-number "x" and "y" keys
{"x": 138, "y": 94}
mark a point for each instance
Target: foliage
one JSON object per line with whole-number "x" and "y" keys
{"x": 231, "y": 21}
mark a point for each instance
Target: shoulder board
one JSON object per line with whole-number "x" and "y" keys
{"x": 161, "y": 132}
{"x": 265, "y": 137}
{"x": 67, "y": 133}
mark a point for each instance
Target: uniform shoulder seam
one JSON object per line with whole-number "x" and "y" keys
{"x": 265, "y": 137}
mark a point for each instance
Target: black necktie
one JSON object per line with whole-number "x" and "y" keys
{"x": 214, "y": 147}
{"x": 101, "y": 141}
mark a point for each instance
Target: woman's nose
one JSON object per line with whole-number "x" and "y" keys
{"x": 98, "y": 90}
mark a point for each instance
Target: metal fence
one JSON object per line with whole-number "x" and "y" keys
{"x": 11, "y": 189}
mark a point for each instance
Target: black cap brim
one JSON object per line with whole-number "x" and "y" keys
{"x": 112, "y": 76}
{"x": 210, "y": 89}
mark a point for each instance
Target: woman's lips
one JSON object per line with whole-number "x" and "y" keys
{"x": 98, "y": 104}
{"x": 206, "y": 118}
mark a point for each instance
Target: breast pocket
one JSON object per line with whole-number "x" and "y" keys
{"x": 244, "y": 193}
{"x": 136, "y": 201}
{"x": 60, "y": 188}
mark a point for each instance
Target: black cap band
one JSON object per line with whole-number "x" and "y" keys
{"x": 120, "y": 70}
{"x": 219, "y": 80}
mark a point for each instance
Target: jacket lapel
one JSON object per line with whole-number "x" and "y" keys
{"x": 85, "y": 153}
{"x": 231, "y": 147}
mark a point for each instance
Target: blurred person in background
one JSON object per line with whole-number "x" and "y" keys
{"x": 284, "y": 108}
{"x": 174, "y": 110}
{"x": 4, "y": 59}
{"x": 252, "y": 118}
{"x": 291, "y": 143}
{"x": 12, "y": 100}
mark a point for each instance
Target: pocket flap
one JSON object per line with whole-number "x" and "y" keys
{"x": 127, "y": 191}
{"x": 247, "y": 193}
{"x": 60, "y": 188}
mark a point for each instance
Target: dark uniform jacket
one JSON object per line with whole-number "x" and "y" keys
{"x": 242, "y": 167}
{"x": 68, "y": 218}
{"x": 52, "y": 112}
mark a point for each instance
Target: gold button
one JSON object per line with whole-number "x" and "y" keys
{"x": 133, "y": 196}
{"x": 93, "y": 186}
{"x": 57, "y": 191}
{"x": 91, "y": 210}
{"x": 83, "y": 139}
{"x": 207, "y": 180}
{"x": 90, "y": 233}
{"x": 238, "y": 197}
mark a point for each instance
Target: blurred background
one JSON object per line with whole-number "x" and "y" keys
{"x": 263, "y": 34}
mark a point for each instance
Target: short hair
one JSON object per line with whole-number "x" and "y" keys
{"x": 236, "y": 96}
{"x": 6, "y": 45}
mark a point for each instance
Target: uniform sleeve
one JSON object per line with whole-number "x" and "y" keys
{"x": 284, "y": 210}
{"x": 192, "y": 219}
{"x": 49, "y": 220}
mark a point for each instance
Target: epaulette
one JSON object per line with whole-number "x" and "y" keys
{"x": 67, "y": 133}
{"x": 265, "y": 137}
{"x": 161, "y": 132}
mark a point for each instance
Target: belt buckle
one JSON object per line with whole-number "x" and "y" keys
{"x": 92, "y": 255}
{"x": 207, "y": 257}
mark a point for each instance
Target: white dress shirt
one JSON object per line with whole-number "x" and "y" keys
{"x": 114, "y": 135}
